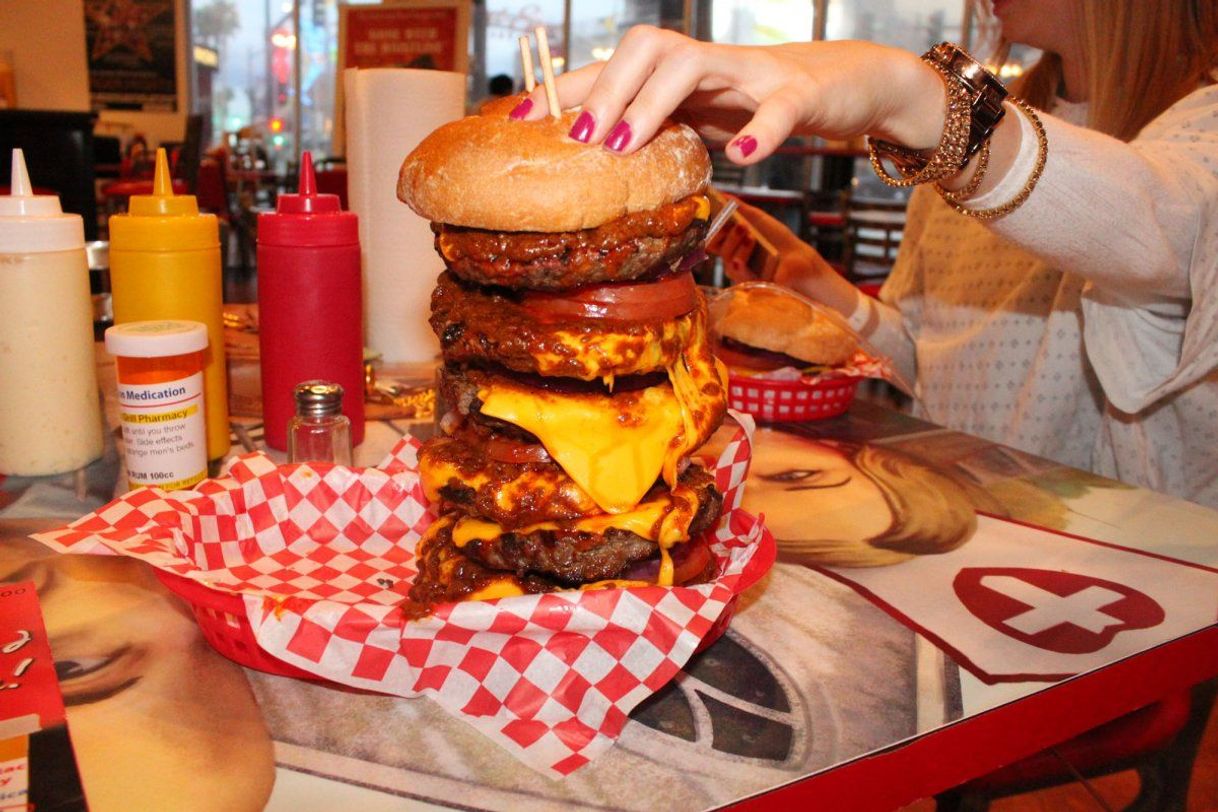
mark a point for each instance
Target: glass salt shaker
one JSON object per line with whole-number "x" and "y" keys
{"x": 319, "y": 432}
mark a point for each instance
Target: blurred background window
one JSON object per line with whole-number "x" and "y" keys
{"x": 914, "y": 25}
{"x": 264, "y": 71}
{"x": 762, "y": 22}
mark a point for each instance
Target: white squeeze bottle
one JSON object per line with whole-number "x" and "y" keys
{"x": 50, "y": 419}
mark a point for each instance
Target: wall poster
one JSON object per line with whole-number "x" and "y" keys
{"x": 132, "y": 61}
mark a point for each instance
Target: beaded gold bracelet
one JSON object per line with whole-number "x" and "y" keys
{"x": 974, "y": 183}
{"x": 1042, "y": 154}
{"x": 953, "y": 144}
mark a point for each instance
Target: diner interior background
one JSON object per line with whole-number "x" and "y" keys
{"x": 257, "y": 80}
{"x": 259, "y": 77}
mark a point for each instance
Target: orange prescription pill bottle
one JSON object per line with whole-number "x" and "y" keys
{"x": 161, "y": 400}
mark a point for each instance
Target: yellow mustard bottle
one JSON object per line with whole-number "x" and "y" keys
{"x": 165, "y": 264}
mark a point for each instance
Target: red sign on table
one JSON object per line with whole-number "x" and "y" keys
{"x": 28, "y": 684}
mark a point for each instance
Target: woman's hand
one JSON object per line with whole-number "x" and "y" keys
{"x": 798, "y": 264}
{"x": 753, "y": 96}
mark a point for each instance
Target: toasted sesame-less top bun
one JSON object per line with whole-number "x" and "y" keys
{"x": 490, "y": 172}
{"x": 772, "y": 321}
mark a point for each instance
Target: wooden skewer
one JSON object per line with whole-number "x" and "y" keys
{"x": 547, "y": 71}
{"x": 526, "y": 63}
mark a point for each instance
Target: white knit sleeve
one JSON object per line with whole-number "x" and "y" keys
{"x": 1139, "y": 222}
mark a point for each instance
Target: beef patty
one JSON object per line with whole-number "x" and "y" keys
{"x": 446, "y": 575}
{"x": 576, "y": 557}
{"x": 627, "y": 248}
{"x": 476, "y": 323}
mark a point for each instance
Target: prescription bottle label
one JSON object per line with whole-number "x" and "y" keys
{"x": 164, "y": 432}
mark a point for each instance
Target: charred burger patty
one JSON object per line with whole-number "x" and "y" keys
{"x": 478, "y": 323}
{"x": 627, "y": 248}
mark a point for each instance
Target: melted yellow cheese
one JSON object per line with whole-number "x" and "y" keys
{"x": 625, "y": 354}
{"x": 502, "y": 588}
{"x": 614, "y": 448}
{"x": 614, "y": 583}
{"x": 703, "y": 212}
{"x": 664, "y": 577}
{"x": 664, "y": 520}
{"x": 434, "y": 475}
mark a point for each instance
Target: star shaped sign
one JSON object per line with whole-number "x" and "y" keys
{"x": 121, "y": 24}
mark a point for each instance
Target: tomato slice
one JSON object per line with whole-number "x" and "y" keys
{"x": 502, "y": 450}
{"x": 659, "y": 300}
{"x": 689, "y": 560}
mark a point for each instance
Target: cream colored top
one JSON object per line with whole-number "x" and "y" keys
{"x": 1082, "y": 327}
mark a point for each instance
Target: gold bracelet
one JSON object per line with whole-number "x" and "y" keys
{"x": 953, "y": 144}
{"x": 974, "y": 183}
{"x": 1042, "y": 153}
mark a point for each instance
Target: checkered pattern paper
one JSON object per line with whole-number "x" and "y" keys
{"x": 861, "y": 365}
{"x": 321, "y": 556}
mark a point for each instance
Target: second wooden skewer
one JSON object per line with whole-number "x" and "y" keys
{"x": 547, "y": 71}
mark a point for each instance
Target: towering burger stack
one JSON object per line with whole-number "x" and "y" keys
{"x": 577, "y": 368}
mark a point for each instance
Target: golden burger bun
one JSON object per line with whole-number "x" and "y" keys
{"x": 490, "y": 172}
{"x": 774, "y": 321}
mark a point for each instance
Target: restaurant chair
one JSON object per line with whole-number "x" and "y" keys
{"x": 236, "y": 239}
{"x": 331, "y": 174}
{"x": 824, "y": 223}
{"x": 184, "y": 167}
{"x": 1160, "y": 742}
{"x": 873, "y": 231}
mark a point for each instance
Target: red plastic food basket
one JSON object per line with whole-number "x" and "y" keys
{"x": 791, "y": 401}
{"x": 221, "y": 617}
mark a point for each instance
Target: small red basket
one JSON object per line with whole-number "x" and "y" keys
{"x": 791, "y": 401}
{"x": 221, "y": 617}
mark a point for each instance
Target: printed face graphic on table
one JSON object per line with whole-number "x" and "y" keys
{"x": 853, "y": 504}
{"x": 147, "y": 700}
{"x": 1057, "y": 611}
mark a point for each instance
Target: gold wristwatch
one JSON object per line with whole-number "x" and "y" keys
{"x": 981, "y": 89}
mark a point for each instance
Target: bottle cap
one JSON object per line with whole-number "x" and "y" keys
{"x": 156, "y": 339}
{"x": 308, "y": 218}
{"x": 318, "y": 399}
{"x": 32, "y": 223}
{"x": 163, "y": 221}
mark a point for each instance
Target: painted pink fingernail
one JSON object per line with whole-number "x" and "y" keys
{"x": 582, "y": 129}
{"x": 521, "y": 110}
{"x": 747, "y": 144}
{"x": 619, "y": 136}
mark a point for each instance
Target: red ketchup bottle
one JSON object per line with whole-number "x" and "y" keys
{"x": 310, "y": 309}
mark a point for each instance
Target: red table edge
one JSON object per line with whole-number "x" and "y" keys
{"x": 963, "y": 750}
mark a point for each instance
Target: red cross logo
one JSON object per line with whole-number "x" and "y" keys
{"x": 1062, "y": 612}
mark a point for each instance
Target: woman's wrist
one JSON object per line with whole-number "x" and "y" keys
{"x": 916, "y": 104}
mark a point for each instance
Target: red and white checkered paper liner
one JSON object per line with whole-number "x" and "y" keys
{"x": 862, "y": 365}
{"x": 322, "y": 557}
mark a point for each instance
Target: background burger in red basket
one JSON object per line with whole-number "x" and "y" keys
{"x": 577, "y": 370}
{"x": 787, "y": 359}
